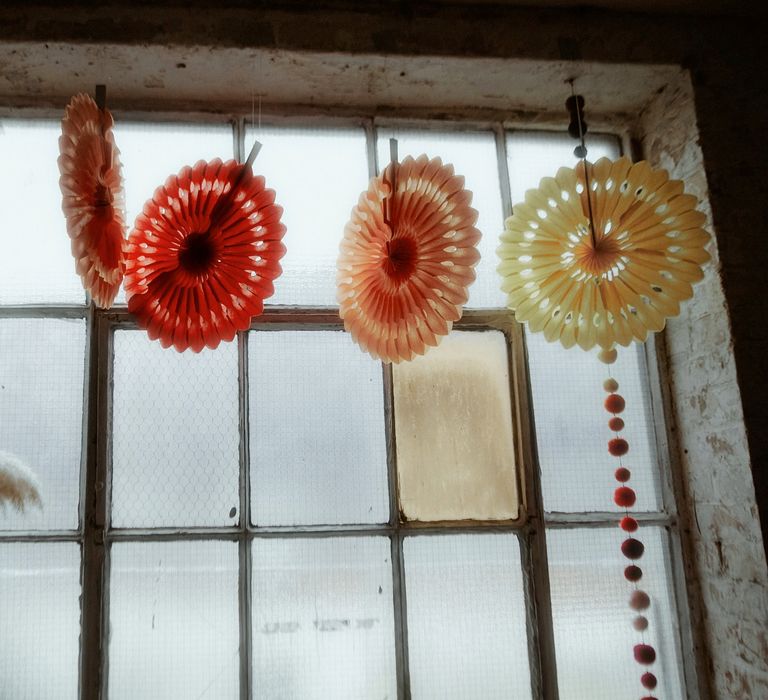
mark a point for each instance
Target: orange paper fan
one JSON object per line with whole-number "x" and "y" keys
{"x": 93, "y": 201}
{"x": 201, "y": 258}
{"x": 401, "y": 287}
{"x": 648, "y": 250}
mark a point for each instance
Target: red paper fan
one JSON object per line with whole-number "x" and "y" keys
{"x": 201, "y": 258}
{"x": 401, "y": 287}
{"x": 93, "y": 201}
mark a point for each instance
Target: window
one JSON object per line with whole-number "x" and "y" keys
{"x": 285, "y": 517}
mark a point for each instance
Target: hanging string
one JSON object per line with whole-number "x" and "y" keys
{"x": 575, "y": 104}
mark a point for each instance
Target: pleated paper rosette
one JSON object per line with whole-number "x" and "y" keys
{"x": 401, "y": 287}
{"x": 648, "y": 252}
{"x": 202, "y": 257}
{"x": 93, "y": 200}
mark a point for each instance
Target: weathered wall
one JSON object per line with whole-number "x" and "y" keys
{"x": 716, "y": 500}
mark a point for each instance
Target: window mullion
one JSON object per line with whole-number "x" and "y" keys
{"x": 95, "y": 555}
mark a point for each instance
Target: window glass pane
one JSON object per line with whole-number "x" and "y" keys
{"x": 40, "y": 614}
{"x": 322, "y": 619}
{"x": 174, "y": 621}
{"x": 572, "y": 427}
{"x": 36, "y": 266}
{"x": 317, "y": 175}
{"x": 532, "y": 155}
{"x": 41, "y": 414}
{"x": 175, "y": 448}
{"x": 466, "y": 618}
{"x": 594, "y": 637}
{"x": 453, "y": 424}
{"x": 318, "y": 448}
{"x": 151, "y": 152}
{"x": 473, "y": 155}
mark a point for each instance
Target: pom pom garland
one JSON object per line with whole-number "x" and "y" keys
{"x": 607, "y": 357}
{"x": 639, "y": 600}
{"x": 628, "y": 524}
{"x": 633, "y": 573}
{"x": 624, "y": 497}
{"x": 618, "y": 447}
{"x": 611, "y": 385}
{"x": 615, "y": 403}
{"x": 616, "y": 424}
{"x": 644, "y": 654}
{"x": 622, "y": 474}
{"x": 640, "y": 623}
{"x": 648, "y": 680}
{"x": 632, "y": 548}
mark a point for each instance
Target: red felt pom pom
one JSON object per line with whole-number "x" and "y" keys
{"x": 648, "y": 697}
{"x": 639, "y": 600}
{"x": 615, "y": 403}
{"x": 628, "y": 524}
{"x": 624, "y": 497}
{"x": 632, "y": 548}
{"x": 645, "y": 654}
{"x": 640, "y": 623}
{"x": 616, "y": 424}
{"x": 622, "y": 474}
{"x": 618, "y": 447}
{"x": 633, "y": 573}
{"x": 648, "y": 680}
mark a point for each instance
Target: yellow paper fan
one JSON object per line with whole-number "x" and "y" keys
{"x": 648, "y": 250}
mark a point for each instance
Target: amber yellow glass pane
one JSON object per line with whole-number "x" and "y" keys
{"x": 453, "y": 426}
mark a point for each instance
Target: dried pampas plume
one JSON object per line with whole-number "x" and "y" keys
{"x": 18, "y": 485}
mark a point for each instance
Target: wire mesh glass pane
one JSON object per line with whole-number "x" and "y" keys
{"x": 40, "y": 618}
{"x": 36, "y": 266}
{"x": 42, "y": 362}
{"x": 453, "y": 426}
{"x": 322, "y": 619}
{"x": 466, "y": 617}
{"x": 532, "y": 155}
{"x": 174, "y": 621}
{"x": 318, "y": 447}
{"x": 317, "y": 175}
{"x": 572, "y": 427}
{"x": 473, "y": 156}
{"x": 594, "y": 637}
{"x": 175, "y": 448}
{"x": 150, "y": 152}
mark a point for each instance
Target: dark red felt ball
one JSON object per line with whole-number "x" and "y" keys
{"x": 632, "y": 548}
{"x": 615, "y": 403}
{"x": 648, "y": 680}
{"x": 648, "y": 697}
{"x": 616, "y": 424}
{"x": 645, "y": 654}
{"x": 622, "y": 474}
{"x": 618, "y": 447}
{"x": 628, "y": 524}
{"x": 639, "y": 600}
{"x": 633, "y": 573}
{"x": 624, "y": 497}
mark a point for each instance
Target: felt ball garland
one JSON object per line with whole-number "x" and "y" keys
{"x": 632, "y": 548}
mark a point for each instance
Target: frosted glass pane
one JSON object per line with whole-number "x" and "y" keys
{"x": 466, "y": 618}
{"x": 453, "y": 421}
{"x": 592, "y": 619}
{"x": 40, "y": 618}
{"x": 175, "y": 451}
{"x": 322, "y": 619}
{"x": 151, "y": 152}
{"x": 473, "y": 155}
{"x": 572, "y": 427}
{"x": 36, "y": 266}
{"x": 318, "y": 447}
{"x": 41, "y": 414}
{"x": 532, "y": 155}
{"x": 174, "y": 621}
{"x": 317, "y": 175}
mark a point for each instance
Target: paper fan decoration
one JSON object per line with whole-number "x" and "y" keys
{"x": 93, "y": 201}
{"x": 613, "y": 283}
{"x": 202, "y": 256}
{"x": 18, "y": 485}
{"x": 402, "y": 285}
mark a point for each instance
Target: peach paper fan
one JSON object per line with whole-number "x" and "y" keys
{"x": 648, "y": 252}
{"x": 202, "y": 258}
{"x": 401, "y": 288}
{"x": 93, "y": 200}
{"x": 18, "y": 484}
